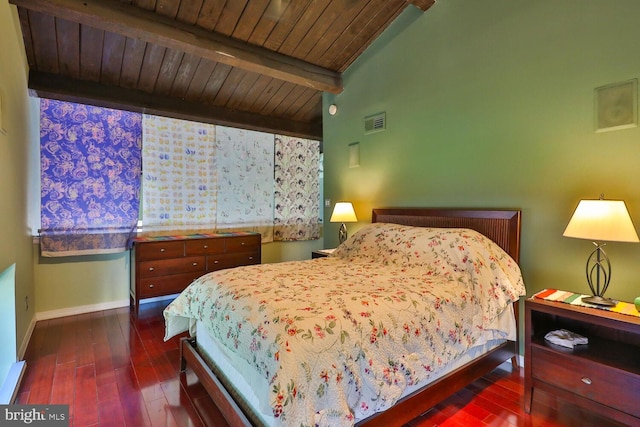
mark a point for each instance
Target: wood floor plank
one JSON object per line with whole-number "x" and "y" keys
{"x": 86, "y": 397}
{"x": 113, "y": 368}
{"x": 111, "y": 414}
{"x": 64, "y": 383}
{"x": 131, "y": 400}
{"x": 160, "y": 413}
{"x": 51, "y": 341}
{"x": 118, "y": 343}
{"x": 105, "y": 371}
{"x": 67, "y": 349}
{"x": 181, "y": 405}
{"x": 42, "y": 371}
{"x": 84, "y": 341}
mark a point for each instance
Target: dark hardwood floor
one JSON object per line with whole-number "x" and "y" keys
{"x": 114, "y": 369}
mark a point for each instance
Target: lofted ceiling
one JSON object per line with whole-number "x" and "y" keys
{"x": 253, "y": 64}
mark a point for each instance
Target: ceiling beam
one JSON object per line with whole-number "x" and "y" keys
{"x": 137, "y": 23}
{"x": 423, "y": 5}
{"x": 45, "y": 85}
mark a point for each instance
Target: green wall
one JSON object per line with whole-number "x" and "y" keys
{"x": 70, "y": 285}
{"x": 15, "y": 154}
{"x": 491, "y": 104}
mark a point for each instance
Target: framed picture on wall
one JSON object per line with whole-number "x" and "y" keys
{"x": 617, "y": 106}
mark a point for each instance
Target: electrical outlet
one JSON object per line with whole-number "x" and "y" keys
{"x": 327, "y": 203}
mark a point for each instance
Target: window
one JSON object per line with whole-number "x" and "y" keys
{"x": 90, "y": 178}
{"x": 195, "y": 177}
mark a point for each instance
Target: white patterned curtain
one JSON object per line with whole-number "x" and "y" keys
{"x": 297, "y": 189}
{"x": 179, "y": 175}
{"x": 245, "y": 181}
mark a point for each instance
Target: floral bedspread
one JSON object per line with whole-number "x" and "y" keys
{"x": 343, "y": 336}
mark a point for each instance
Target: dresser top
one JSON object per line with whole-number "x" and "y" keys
{"x": 163, "y": 237}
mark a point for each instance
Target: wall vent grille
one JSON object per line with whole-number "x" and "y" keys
{"x": 375, "y": 123}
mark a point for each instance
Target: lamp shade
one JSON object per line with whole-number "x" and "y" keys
{"x": 602, "y": 220}
{"x": 343, "y": 212}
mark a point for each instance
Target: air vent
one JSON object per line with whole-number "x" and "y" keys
{"x": 375, "y": 123}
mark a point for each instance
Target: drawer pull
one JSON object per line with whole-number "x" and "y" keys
{"x": 161, "y": 249}
{"x": 206, "y": 246}
{"x": 586, "y": 380}
{"x": 152, "y": 286}
{"x": 151, "y": 268}
{"x": 250, "y": 258}
{"x": 194, "y": 264}
{"x": 242, "y": 243}
{"x": 216, "y": 262}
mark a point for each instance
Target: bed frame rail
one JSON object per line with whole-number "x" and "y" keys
{"x": 416, "y": 404}
{"x": 216, "y": 390}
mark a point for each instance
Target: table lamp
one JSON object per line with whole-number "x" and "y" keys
{"x": 343, "y": 212}
{"x": 600, "y": 221}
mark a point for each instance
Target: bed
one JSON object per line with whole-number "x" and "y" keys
{"x": 400, "y": 325}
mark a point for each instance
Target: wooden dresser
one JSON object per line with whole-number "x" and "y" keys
{"x": 165, "y": 265}
{"x": 603, "y": 375}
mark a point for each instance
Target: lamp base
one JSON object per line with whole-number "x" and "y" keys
{"x": 342, "y": 233}
{"x": 598, "y": 300}
{"x": 598, "y": 277}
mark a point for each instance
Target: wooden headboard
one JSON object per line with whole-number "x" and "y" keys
{"x": 500, "y": 225}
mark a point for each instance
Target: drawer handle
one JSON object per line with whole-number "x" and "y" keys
{"x": 250, "y": 258}
{"x": 206, "y": 246}
{"x": 161, "y": 249}
{"x": 586, "y": 380}
{"x": 216, "y": 261}
{"x": 151, "y": 268}
{"x": 152, "y": 286}
{"x": 194, "y": 264}
{"x": 242, "y": 243}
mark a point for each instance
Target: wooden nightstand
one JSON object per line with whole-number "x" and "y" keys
{"x": 603, "y": 375}
{"x": 321, "y": 253}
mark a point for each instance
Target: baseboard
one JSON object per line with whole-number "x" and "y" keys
{"x": 27, "y": 337}
{"x": 72, "y": 311}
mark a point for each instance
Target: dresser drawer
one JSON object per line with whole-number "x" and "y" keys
{"x": 159, "y": 250}
{"x": 166, "y": 285}
{"x": 218, "y": 262}
{"x": 205, "y": 246}
{"x": 164, "y": 267}
{"x": 604, "y": 384}
{"x": 243, "y": 243}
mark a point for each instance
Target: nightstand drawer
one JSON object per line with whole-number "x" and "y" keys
{"x": 604, "y": 384}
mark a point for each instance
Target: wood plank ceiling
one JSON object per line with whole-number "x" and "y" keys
{"x": 253, "y": 64}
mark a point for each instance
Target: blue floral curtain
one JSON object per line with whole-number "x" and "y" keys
{"x": 90, "y": 178}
